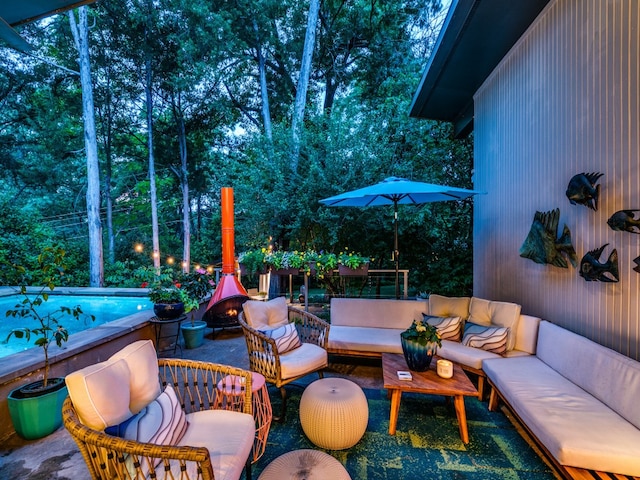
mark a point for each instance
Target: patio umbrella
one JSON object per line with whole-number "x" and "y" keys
{"x": 398, "y": 191}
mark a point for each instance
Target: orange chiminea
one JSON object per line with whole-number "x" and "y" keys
{"x": 229, "y": 295}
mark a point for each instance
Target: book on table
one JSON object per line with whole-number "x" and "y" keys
{"x": 404, "y": 375}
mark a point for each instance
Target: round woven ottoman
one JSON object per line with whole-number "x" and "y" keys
{"x": 305, "y": 465}
{"x": 334, "y": 413}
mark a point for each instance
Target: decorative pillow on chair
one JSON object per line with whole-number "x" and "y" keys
{"x": 286, "y": 337}
{"x": 162, "y": 422}
{"x": 273, "y": 313}
{"x": 491, "y": 339}
{"x": 449, "y": 328}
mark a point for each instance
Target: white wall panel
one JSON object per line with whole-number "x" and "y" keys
{"x": 565, "y": 100}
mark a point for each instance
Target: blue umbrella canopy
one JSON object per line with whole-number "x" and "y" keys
{"x": 398, "y": 191}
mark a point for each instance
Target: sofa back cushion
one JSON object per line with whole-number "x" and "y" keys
{"x": 527, "y": 334}
{"x": 496, "y": 314}
{"x": 611, "y": 377}
{"x": 441, "y": 306}
{"x": 377, "y": 313}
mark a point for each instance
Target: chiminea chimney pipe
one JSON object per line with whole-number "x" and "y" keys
{"x": 228, "y": 248}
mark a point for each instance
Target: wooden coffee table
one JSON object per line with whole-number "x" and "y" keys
{"x": 458, "y": 387}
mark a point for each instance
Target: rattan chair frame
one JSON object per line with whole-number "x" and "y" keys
{"x": 195, "y": 384}
{"x": 263, "y": 354}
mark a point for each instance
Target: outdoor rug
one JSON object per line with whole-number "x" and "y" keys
{"x": 427, "y": 443}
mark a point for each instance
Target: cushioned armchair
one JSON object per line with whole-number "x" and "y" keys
{"x": 136, "y": 416}
{"x": 284, "y": 343}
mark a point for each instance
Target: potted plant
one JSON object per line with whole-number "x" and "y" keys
{"x": 196, "y": 285}
{"x": 420, "y": 343}
{"x": 167, "y": 296}
{"x": 36, "y": 408}
{"x": 252, "y": 261}
{"x": 350, "y": 263}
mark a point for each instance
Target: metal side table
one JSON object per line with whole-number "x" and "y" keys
{"x": 167, "y": 334}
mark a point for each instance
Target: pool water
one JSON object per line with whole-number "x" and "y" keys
{"x": 105, "y": 308}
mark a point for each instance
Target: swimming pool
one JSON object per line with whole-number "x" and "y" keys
{"x": 105, "y": 308}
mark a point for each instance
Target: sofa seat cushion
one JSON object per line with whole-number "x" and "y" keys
{"x": 366, "y": 339}
{"x": 463, "y": 355}
{"x": 227, "y": 435}
{"x": 305, "y": 358}
{"x": 575, "y": 427}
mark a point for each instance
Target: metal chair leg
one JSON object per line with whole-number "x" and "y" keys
{"x": 283, "y": 409}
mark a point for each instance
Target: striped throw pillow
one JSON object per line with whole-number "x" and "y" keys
{"x": 286, "y": 337}
{"x": 491, "y": 339}
{"x": 449, "y": 328}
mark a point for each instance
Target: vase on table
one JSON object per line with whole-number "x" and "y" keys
{"x": 417, "y": 356}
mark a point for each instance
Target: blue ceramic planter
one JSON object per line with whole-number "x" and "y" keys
{"x": 417, "y": 356}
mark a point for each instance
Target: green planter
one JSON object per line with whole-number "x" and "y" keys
{"x": 193, "y": 334}
{"x": 37, "y": 415}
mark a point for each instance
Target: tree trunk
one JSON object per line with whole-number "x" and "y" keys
{"x": 184, "y": 185}
{"x": 264, "y": 94}
{"x": 303, "y": 82}
{"x": 152, "y": 169}
{"x": 81, "y": 37}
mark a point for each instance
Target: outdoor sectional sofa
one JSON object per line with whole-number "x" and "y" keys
{"x": 370, "y": 327}
{"x": 578, "y": 400}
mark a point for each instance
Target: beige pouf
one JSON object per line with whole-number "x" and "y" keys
{"x": 305, "y": 465}
{"x": 334, "y": 413}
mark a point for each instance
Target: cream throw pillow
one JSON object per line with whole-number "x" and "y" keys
{"x": 266, "y": 315}
{"x": 501, "y": 314}
{"x": 440, "y": 306}
{"x": 143, "y": 366}
{"x": 100, "y": 393}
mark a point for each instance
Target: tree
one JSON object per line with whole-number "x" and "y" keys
{"x": 80, "y": 31}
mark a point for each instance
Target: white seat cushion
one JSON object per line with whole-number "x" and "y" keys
{"x": 468, "y": 356}
{"x": 227, "y": 435}
{"x": 365, "y": 339}
{"x": 304, "y": 359}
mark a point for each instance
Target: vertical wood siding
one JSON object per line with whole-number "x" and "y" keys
{"x": 565, "y": 100}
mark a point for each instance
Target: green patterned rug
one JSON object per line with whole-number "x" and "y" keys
{"x": 427, "y": 444}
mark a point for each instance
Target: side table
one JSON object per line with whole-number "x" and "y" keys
{"x": 169, "y": 334}
{"x": 262, "y": 412}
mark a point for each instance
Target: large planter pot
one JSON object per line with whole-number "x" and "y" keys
{"x": 417, "y": 356}
{"x": 361, "y": 271}
{"x": 37, "y": 412}
{"x": 193, "y": 333}
{"x": 168, "y": 311}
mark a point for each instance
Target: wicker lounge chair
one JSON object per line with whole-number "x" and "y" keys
{"x": 279, "y": 368}
{"x": 221, "y": 432}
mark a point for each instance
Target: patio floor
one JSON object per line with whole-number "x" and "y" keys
{"x": 57, "y": 457}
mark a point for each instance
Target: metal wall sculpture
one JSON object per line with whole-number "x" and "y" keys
{"x": 542, "y": 245}
{"x": 592, "y": 270}
{"x": 625, "y": 221}
{"x": 582, "y": 190}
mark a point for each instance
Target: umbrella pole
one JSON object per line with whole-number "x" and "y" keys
{"x": 395, "y": 245}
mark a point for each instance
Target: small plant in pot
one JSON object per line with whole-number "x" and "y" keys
{"x": 167, "y": 295}
{"x": 196, "y": 285}
{"x": 35, "y": 408}
{"x": 420, "y": 343}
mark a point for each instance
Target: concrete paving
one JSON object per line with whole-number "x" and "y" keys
{"x": 56, "y": 457}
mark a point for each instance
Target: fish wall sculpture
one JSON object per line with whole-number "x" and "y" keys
{"x": 592, "y": 270}
{"x": 582, "y": 190}
{"x": 625, "y": 221}
{"x": 637, "y": 262}
{"x": 542, "y": 245}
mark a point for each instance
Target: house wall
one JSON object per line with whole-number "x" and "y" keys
{"x": 564, "y": 100}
